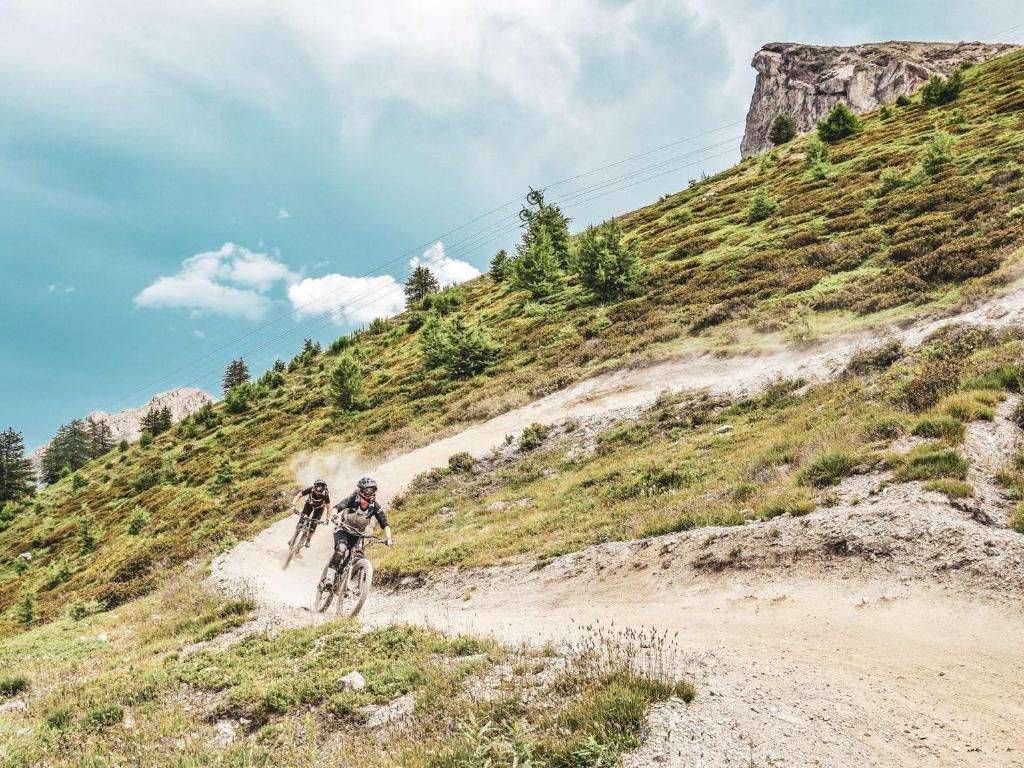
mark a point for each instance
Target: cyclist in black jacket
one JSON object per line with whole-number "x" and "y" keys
{"x": 362, "y": 502}
{"x": 318, "y": 499}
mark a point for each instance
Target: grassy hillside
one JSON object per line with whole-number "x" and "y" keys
{"x": 198, "y": 696}
{"x": 694, "y": 460}
{"x": 839, "y": 246}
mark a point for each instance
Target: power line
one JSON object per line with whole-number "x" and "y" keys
{"x": 297, "y": 309}
{"x": 309, "y": 327}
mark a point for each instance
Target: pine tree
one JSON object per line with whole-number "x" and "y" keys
{"x": 499, "y": 266}
{"x": 346, "y": 382}
{"x": 420, "y": 283}
{"x": 538, "y": 216}
{"x": 17, "y": 479}
{"x": 607, "y": 266}
{"x": 279, "y": 366}
{"x": 164, "y": 419}
{"x": 310, "y": 348}
{"x": 458, "y": 349}
{"x": 783, "y": 129}
{"x": 68, "y": 451}
{"x": 237, "y": 373}
{"x": 537, "y": 269}
{"x": 101, "y": 438}
{"x": 839, "y": 123}
{"x": 151, "y": 422}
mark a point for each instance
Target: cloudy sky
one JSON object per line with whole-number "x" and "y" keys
{"x": 184, "y": 182}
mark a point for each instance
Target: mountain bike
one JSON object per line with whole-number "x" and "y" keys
{"x": 303, "y": 531}
{"x": 352, "y": 581}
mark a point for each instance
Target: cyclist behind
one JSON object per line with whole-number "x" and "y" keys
{"x": 318, "y": 499}
{"x": 362, "y": 507}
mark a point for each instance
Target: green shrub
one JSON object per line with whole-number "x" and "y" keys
{"x": 788, "y": 503}
{"x": 828, "y": 469}
{"x": 1017, "y": 520}
{"x": 12, "y": 686}
{"x": 884, "y": 428}
{"x": 969, "y": 406}
{"x": 346, "y": 383}
{"x": 816, "y": 152}
{"x": 25, "y": 609}
{"x": 1008, "y": 377}
{"x": 77, "y": 610}
{"x": 938, "y": 153}
{"x": 953, "y": 489}
{"x": 783, "y": 129}
{"x": 461, "y": 462}
{"x": 139, "y": 519}
{"x": 839, "y": 123}
{"x": 533, "y": 436}
{"x": 892, "y": 179}
{"x": 606, "y": 265}
{"x": 145, "y": 440}
{"x": 105, "y": 715}
{"x": 940, "y": 90}
{"x": 457, "y": 348}
{"x": 932, "y": 462}
{"x": 867, "y": 360}
{"x": 237, "y": 399}
{"x": 761, "y": 206}
{"x": 443, "y": 303}
{"x": 903, "y": 100}
{"x": 936, "y": 378}
{"x": 58, "y": 717}
{"x": 940, "y": 427}
{"x": 887, "y": 112}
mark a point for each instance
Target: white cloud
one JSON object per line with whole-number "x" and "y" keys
{"x": 283, "y": 214}
{"x": 204, "y": 283}
{"x": 348, "y": 299}
{"x": 54, "y": 287}
{"x": 199, "y": 334}
{"x": 448, "y": 271}
{"x": 361, "y": 299}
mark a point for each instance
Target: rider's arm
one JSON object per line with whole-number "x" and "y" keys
{"x": 295, "y": 501}
{"x": 382, "y": 519}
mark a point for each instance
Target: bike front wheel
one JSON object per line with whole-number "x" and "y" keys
{"x": 353, "y": 593}
{"x": 324, "y": 592}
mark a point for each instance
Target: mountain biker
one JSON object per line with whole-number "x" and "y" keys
{"x": 364, "y": 508}
{"x": 318, "y": 499}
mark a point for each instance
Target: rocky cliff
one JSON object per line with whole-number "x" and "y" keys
{"x": 806, "y": 80}
{"x": 126, "y": 425}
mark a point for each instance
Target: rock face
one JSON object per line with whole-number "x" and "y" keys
{"x": 807, "y": 80}
{"x": 126, "y": 425}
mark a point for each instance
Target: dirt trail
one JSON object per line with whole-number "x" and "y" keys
{"x": 796, "y": 666}
{"x": 791, "y": 671}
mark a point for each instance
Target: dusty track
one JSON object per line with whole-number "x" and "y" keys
{"x": 806, "y": 663}
{"x": 791, "y": 670}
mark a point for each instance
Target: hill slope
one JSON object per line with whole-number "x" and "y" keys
{"x": 839, "y": 252}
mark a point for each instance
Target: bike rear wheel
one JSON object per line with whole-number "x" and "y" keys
{"x": 354, "y": 591}
{"x": 295, "y": 544}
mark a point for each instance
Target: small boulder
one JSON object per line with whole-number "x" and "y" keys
{"x": 225, "y": 733}
{"x": 353, "y": 681}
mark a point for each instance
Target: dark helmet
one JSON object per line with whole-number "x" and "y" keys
{"x": 319, "y": 483}
{"x": 367, "y": 486}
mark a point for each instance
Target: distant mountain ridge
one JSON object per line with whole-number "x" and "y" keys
{"x": 807, "y": 80}
{"x": 127, "y": 424}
